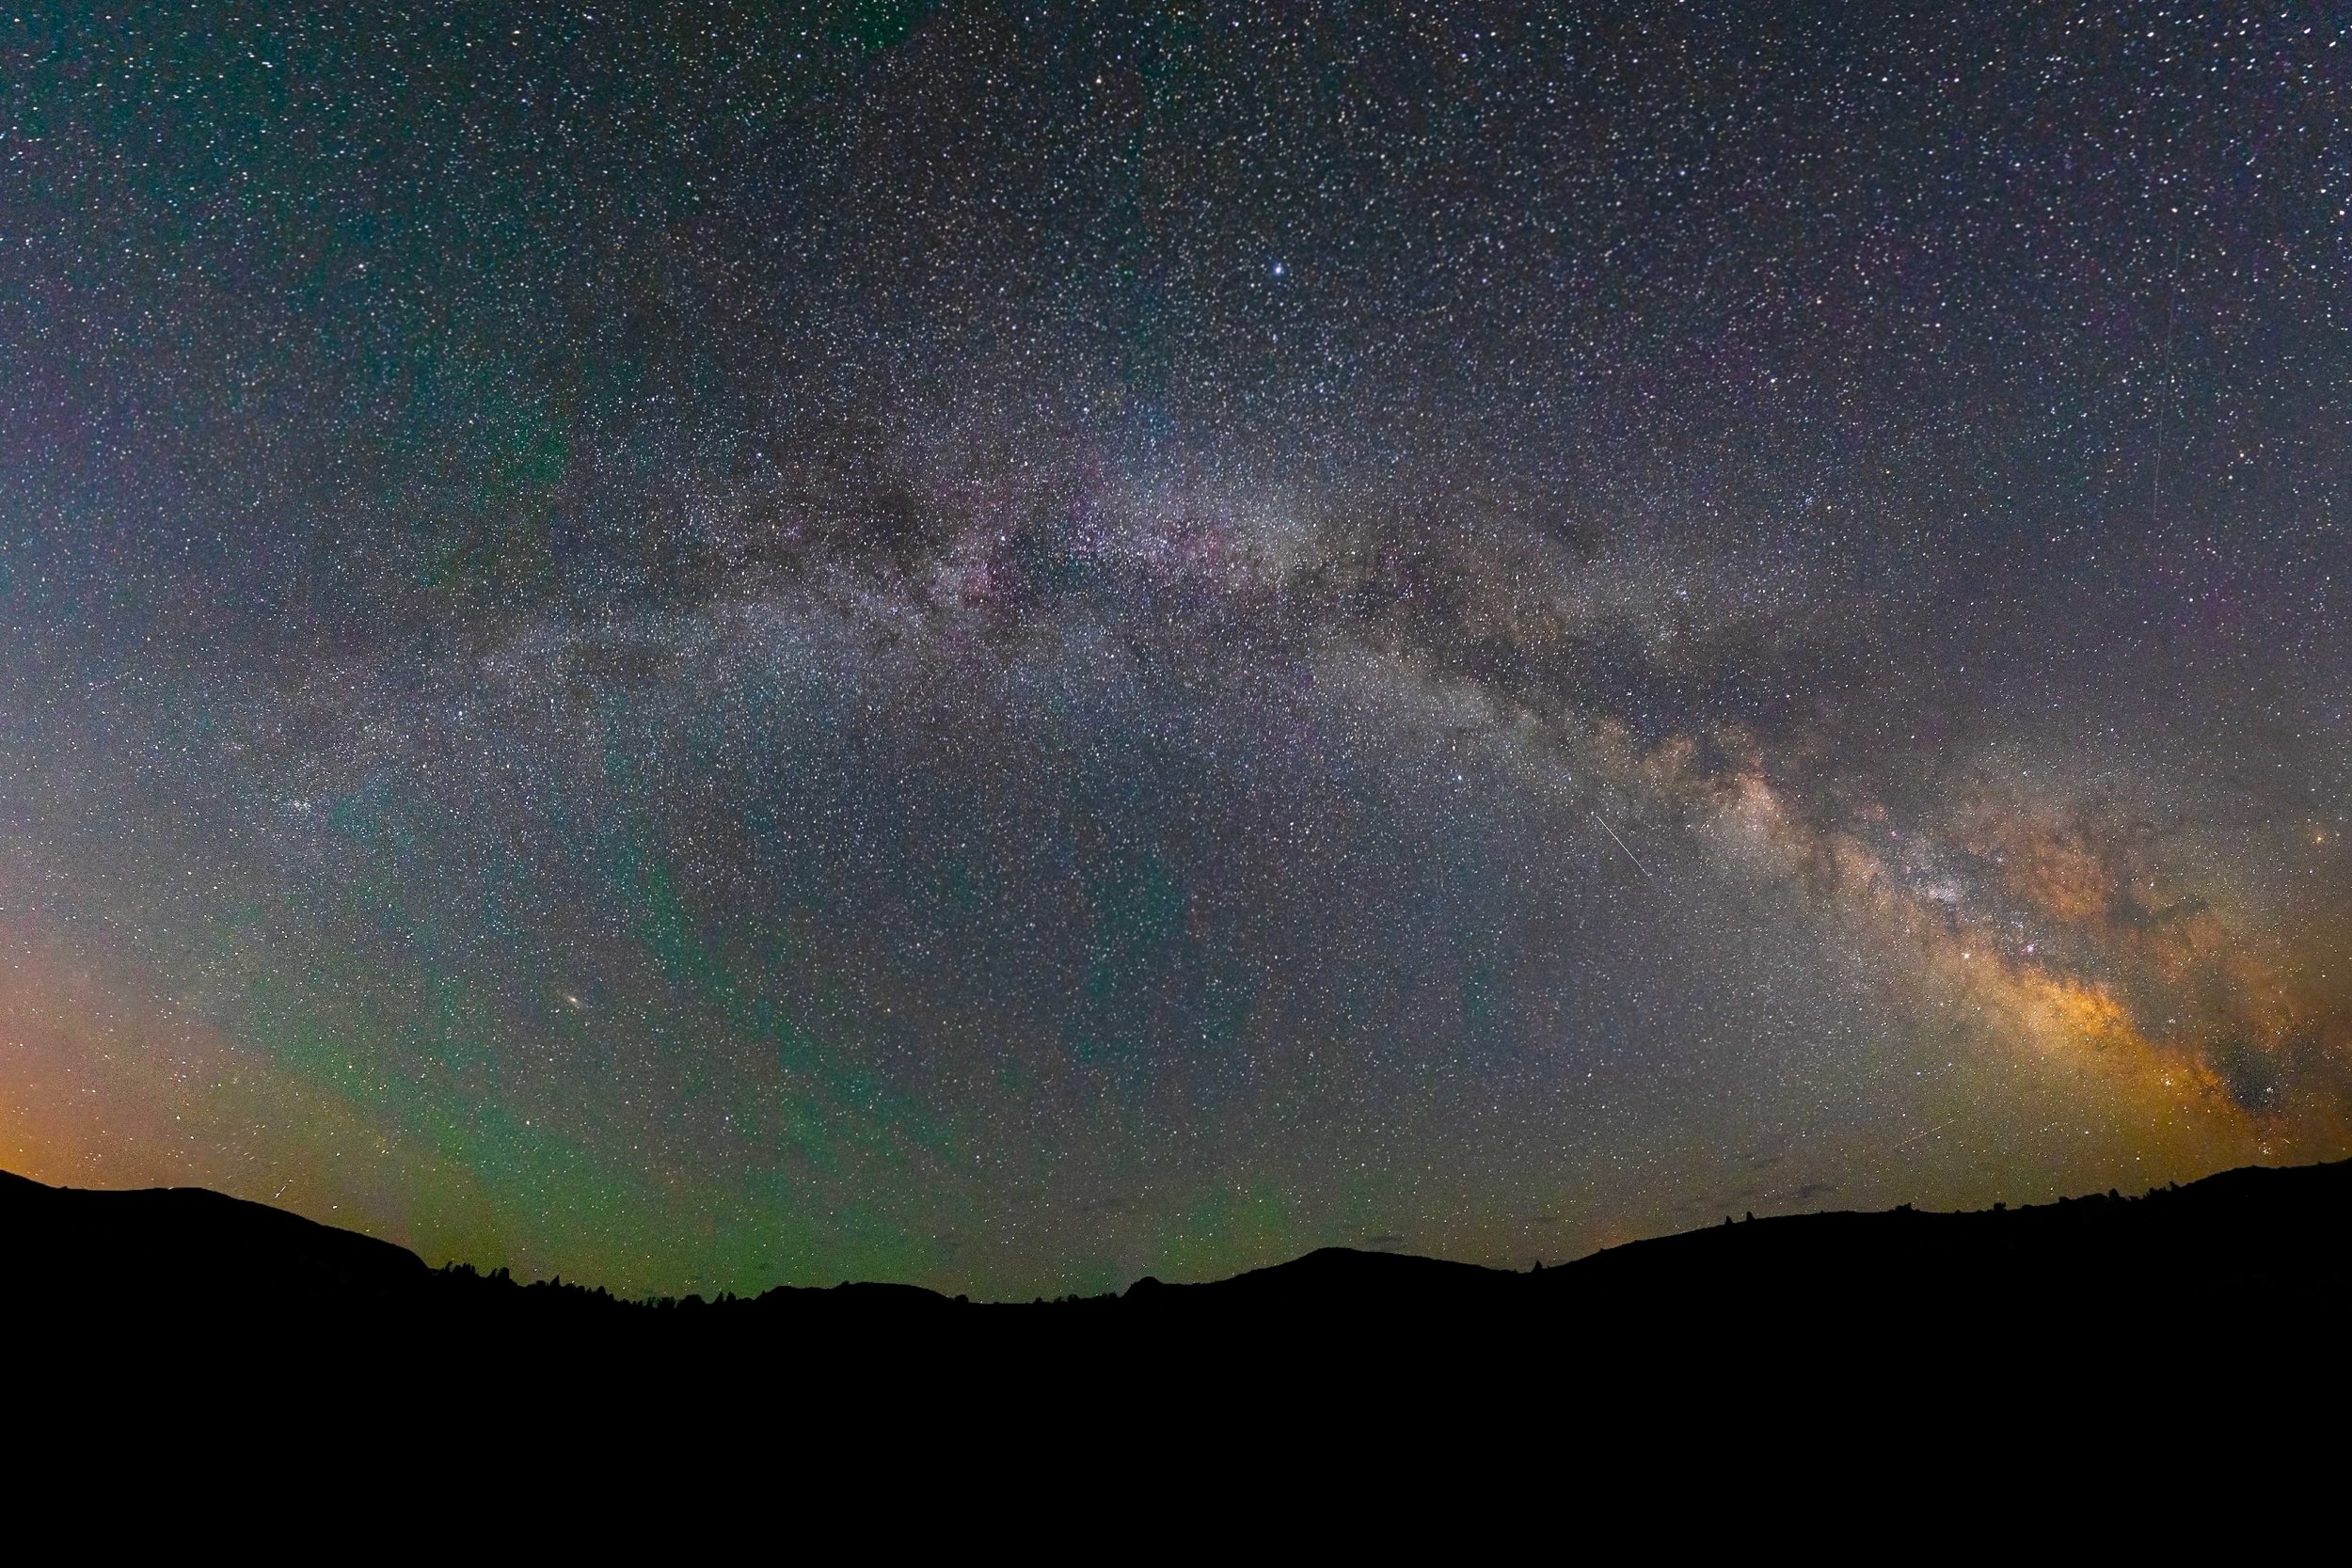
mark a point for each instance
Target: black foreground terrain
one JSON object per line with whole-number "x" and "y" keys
{"x": 2246, "y": 1252}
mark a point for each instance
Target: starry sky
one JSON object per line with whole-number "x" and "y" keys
{"x": 1014, "y": 645}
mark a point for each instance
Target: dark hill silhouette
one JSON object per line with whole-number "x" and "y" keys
{"x": 184, "y": 1245}
{"x": 2235, "y": 1253}
{"x": 2266, "y": 1233}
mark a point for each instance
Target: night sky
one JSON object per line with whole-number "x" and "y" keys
{"x": 1009, "y": 647}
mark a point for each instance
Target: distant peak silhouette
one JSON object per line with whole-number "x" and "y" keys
{"x": 2282, "y": 1235}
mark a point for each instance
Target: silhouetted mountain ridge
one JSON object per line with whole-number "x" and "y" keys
{"x": 2283, "y": 1235}
{"x": 189, "y": 1243}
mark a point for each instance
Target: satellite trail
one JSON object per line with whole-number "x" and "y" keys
{"x": 1622, "y": 845}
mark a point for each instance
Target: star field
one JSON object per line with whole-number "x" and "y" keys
{"x": 1010, "y": 646}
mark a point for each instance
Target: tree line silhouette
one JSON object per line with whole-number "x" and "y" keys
{"x": 2234, "y": 1257}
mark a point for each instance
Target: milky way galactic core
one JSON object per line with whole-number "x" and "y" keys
{"x": 1014, "y": 645}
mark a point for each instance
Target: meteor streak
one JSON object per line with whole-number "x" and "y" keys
{"x": 1621, "y": 844}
